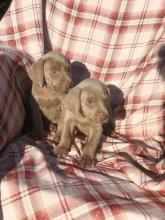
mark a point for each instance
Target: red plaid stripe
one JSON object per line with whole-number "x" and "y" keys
{"x": 118, "y": 42}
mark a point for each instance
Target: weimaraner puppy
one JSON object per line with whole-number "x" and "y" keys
{"x": 51, "y": 80}
{"x": 85, "y": 107}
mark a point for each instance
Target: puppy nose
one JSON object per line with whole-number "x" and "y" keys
{"x": 68, "y": 86}
{"x": 102, "y": 116}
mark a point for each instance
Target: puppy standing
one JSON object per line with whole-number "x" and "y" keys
{"x": 51, "y": 81}
{"x": 87, "y": 108}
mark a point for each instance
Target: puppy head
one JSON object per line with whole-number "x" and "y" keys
{"x": 91, "y": 99}
{"x": 52, "y": 70}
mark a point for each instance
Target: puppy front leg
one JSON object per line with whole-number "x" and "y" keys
{"x": 59, "y": 130}
{"x": 89, "y": 151}
{"x": 64, "y": 145}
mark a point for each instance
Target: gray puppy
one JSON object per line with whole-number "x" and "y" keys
{"x": 51, "y": 80}
{"x": 86, "y": 107}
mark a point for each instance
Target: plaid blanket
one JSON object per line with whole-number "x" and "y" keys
{"x": 117, "y": 42}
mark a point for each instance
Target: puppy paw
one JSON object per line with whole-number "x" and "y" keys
{"x": 87, "y": 161}
{"x": 61, "y": 151}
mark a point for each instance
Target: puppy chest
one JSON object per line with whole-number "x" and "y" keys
{"x": 84, "y": 127}
{"x": 52, "y": 115}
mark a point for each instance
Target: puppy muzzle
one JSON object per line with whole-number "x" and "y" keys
{"x": 67, "y": 86}
{"x": 102, "y": 117}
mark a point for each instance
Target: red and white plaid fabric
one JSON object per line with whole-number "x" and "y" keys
{"x": 118, "y": 42}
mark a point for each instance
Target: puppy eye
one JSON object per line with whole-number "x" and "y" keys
{"x": 54, "y": 71}
{"x": 90, "y": 101}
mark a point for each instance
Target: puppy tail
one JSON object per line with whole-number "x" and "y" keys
{"x": 161, "y": 64}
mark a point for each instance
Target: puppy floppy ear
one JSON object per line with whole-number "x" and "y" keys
{"x": 36, "y": 72}
{"x": 72, "y": 101}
